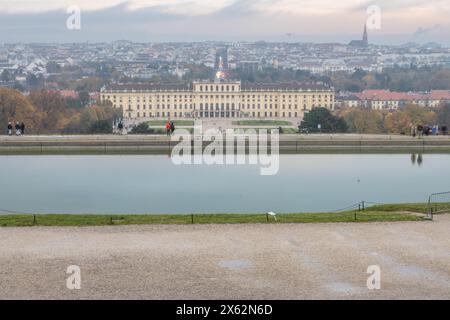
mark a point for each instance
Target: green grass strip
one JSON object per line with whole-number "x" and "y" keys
{"x": 104, "y": 220}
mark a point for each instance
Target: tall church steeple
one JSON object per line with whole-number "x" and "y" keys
{"x": 365, "y": 36}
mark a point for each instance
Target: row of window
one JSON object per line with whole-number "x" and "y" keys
{"x": 248, "y": 97}
{"x": 221, "y": 106}
{"x": 159, "y": 114}
{"x": 227, "y": 88}
{"x": 213, "y": 114}
{"x": 163, "y": 106}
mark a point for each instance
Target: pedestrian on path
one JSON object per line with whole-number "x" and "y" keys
{"x": 18, "y": 133}
{"x": 10, "y": 129}
{"x": 168, "y": 128}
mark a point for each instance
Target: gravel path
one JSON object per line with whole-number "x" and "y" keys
{"x": 294, "y": 261}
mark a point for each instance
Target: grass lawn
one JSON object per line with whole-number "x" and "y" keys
{"x": 161, "y": 131}
{"x": 385, "y": 213}
{"x": 184, "y": 123}
{"x": 262, "y": 122}
{"x": 284, "y": 131}
{"x": 410, "y": 207}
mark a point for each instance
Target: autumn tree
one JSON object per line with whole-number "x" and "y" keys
{"x": 93, "y": 120}
{"x": 366, "y": 121}
{"x": 16, "y": 107}
{"x": 54, "y": 109}
{"x": 420, "y": 115}
{"x": 397, "y": 123}
{"x": 400, "y": 122}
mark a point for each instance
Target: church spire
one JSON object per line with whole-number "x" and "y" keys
{"x": 365, "y": 36}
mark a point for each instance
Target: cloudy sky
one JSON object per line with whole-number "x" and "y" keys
{"x": 230, "y": 20}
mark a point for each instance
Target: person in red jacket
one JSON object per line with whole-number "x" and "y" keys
{"x": 168, "y": 128}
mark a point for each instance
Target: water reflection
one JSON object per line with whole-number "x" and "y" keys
{"x": 417, "y": 159}
{"x": 146, "y": 184}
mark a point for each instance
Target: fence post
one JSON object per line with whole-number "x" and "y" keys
{"x": 355, "y": 215}
{"x": 192, "y": 218}
{"x": 363, "y": 206}
{"x": 34, "y": 219}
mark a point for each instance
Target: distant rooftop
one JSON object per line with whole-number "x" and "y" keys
{"x": 148, "y": 87}
{"x": 295, "y": 86}
{"x": 386, "y": 95}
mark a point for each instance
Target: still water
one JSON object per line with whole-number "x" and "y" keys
{"x": 153, "y": 184}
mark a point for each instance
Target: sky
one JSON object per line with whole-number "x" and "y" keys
{"x": 400, "y": 21}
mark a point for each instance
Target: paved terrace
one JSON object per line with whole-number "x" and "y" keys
{"x": 266, "y": 261}
{"x": 162, "y": 144}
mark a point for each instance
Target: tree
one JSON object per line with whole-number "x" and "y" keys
{"x": 53, "y": 67}
{"x": 84, "y": 98}
{"x": 443, "y": 115}
{"x": 93, "y": 120}
{"x": 142, "y": 128}
{"x": 364, "y": 120}
{"x": 16, "y": 107}
{"x": 5, "y": 76}
{"x": 419, "y": 115}
{"x": 32, "y": 80}
{"x": 54, "y": 109}
{"x": 101, "y": 127}
{"x": 398, "y": 123}
{"x": 89, "y": 84}
{"x": 325, "y": 119}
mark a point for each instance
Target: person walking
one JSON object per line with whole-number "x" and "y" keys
{"x": 10, "y": 129}
{"x": 172, "y": 127}
{"x": 420, "y": 130}
{"x": 168, "y": 128}
{"x": 413, "y": 130}
{"x": 22, "y": 128}
{"x": 17, "y": 128}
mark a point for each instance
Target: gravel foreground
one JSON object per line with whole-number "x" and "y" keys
{"x": 284, "y": 261}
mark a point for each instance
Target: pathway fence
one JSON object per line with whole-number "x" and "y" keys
{"x": 438, "y": 203}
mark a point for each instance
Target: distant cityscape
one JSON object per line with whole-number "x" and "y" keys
{"x": 147, "y": 60}
{"x": 82, "y": 71}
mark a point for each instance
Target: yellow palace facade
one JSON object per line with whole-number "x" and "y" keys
{"x": 213, "y": 99}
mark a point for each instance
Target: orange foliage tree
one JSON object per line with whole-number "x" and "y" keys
{"x": 14, "y": 107}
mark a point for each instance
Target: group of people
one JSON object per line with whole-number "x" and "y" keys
{"x": 170, "y": 128}
{"x": 427, "y": 130}
{"x": 19, "y": 129}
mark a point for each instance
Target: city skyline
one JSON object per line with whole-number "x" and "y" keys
{"x": 225, "y": 20}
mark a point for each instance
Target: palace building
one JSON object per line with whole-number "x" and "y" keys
{"x": 218, "y": 99}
